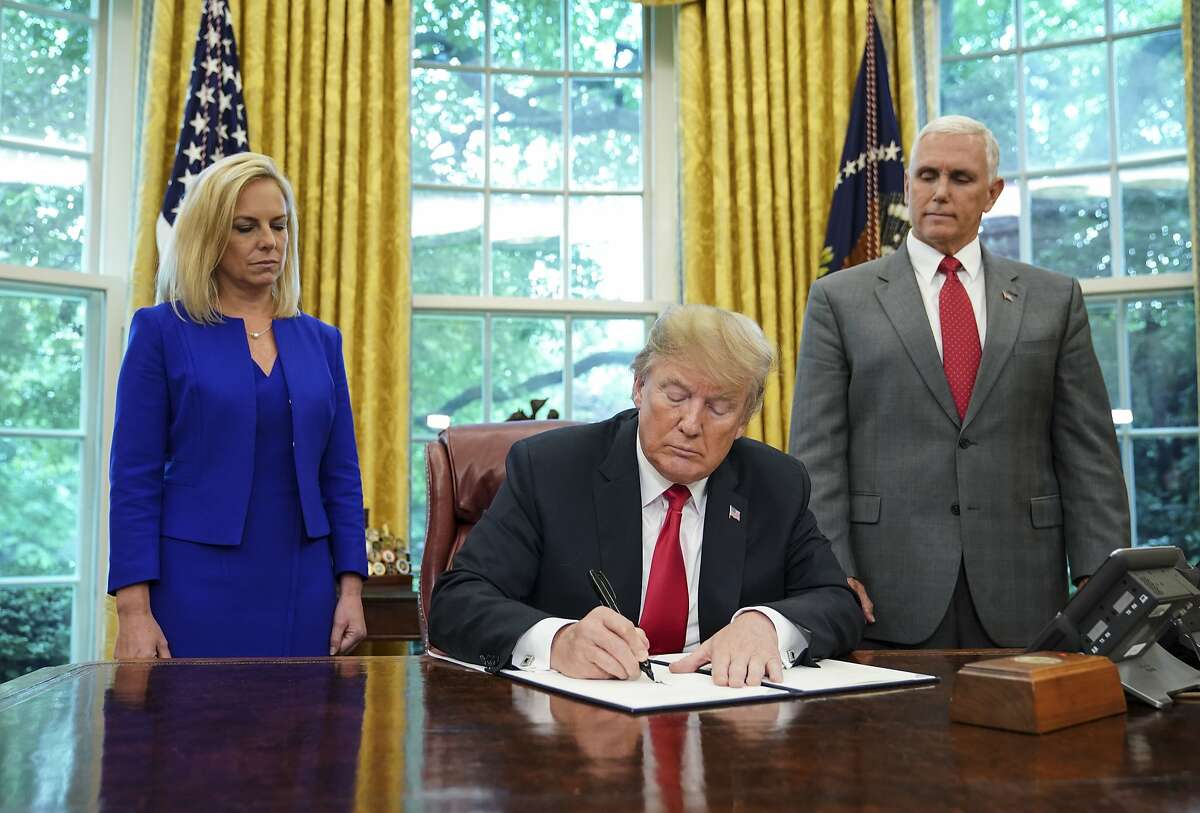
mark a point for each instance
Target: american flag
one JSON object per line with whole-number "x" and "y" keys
{"x": 214, "y": 118}
{"x": 868, "y": 217}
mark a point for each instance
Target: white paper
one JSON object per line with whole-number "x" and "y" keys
{"x": 832, "y": 676}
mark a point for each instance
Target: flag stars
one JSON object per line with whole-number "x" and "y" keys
{"x": 227, "y": 74}
{"x": 211, "y": 65}
{"x": 205, "y": 95}
{"x": 194, "y": 153}
{"x": 199, "y": 124}
{"x": 239, "y": 135}
{"x": 213, "y": 37}
{"x": 225, "y": 101}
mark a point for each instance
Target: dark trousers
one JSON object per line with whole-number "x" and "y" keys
{"x": 960, "y": 627}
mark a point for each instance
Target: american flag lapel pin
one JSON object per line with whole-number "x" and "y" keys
{"x": 735, "y": 514}
{"x": 1009, "y": 296}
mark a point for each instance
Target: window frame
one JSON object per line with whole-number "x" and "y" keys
{"x": 660, "y": 217}
{"x": 103, "y": 282}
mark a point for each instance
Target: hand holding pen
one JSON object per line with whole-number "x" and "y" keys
{"x": 608, "y": 598}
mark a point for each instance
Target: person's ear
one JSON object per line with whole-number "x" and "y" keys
{"x": 638, "y": 383}
{"x": 994, "y": 190}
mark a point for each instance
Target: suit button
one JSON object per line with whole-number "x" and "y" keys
{"x": 954, "y": 509}
{"x": 964, "y": 443}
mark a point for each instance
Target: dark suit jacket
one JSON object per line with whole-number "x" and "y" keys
{"x": 183, "y": 439}
{"x": 1027, "y": 482}
{"x": 572, "y": 501}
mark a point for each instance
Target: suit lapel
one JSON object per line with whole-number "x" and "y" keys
{"x": 1005, "y": 303}
{"x": 617, "y": 494}
{"x": 901, "y": 300}
{"x": 724, "y": 550}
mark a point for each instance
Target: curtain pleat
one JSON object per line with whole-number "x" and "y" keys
{"x": 765, "y": 89}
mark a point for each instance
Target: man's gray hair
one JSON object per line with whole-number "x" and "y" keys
{"x": 963, "y": 125}
{"x": 727, "y": 348}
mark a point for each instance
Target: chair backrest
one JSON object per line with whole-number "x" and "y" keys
{"x": 464, "y": 468}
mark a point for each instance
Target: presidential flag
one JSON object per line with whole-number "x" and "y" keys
{"x": 868, "y": 217}
{"x": 214, "y": 118}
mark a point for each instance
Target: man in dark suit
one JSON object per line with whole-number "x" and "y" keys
{"x": 705, "y": 535}
{"x": 950, "y": 407}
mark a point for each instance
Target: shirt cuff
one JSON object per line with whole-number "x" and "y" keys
{"x": 532, "y": 652}
{"x": 792, "y": 641}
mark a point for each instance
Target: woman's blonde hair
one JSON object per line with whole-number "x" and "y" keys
{"x": 186, "y": 270}
{"x": 728, "y": 348}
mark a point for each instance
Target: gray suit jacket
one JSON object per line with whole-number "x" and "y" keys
{"x": 1027, "y": 483}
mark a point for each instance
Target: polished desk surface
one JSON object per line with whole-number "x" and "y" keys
{"x": 390, "y": 733}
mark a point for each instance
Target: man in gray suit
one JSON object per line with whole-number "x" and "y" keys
{"x": 951, "y": 412}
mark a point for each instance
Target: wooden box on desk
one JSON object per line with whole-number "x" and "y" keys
{"x": 1037, "y": 692}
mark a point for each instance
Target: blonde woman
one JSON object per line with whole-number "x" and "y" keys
{"x": 236, "y": 505}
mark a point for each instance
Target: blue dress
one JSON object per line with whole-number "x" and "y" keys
{"x": 272, "y": 595}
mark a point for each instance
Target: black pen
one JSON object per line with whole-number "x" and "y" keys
{"x": 609, "y": 599}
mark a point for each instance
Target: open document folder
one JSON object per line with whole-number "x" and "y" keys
{"x": 696, "y": 690}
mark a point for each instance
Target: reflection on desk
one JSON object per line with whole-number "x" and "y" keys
{"x": 383, "y": 733}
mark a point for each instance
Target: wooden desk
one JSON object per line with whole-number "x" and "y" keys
{"x": 385, "y": 733}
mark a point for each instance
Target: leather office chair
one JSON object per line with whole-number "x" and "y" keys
{"x": 464, "y": 468}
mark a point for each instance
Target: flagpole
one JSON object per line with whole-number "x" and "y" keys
{"x": 872, "y": 145}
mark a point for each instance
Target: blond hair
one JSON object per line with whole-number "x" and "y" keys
{"x": 187, "y": 268}
{"x": 962, "y": 125}
{"x": 728, "y": 348}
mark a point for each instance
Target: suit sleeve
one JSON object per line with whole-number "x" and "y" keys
{"x": 818, "y": 599}
{"x": 1087, "y": 462}
{"x": 819, "y": 434}
{"x": 341, "y": 481}
{"x": 139, "y": 452}
{"x": 478, "y": 610}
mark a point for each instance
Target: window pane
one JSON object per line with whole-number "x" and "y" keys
{"x": 527, "y": 132}
{"x": 1168, "y": 512}
{"x": 35, "y": 629}
{"x": 602, "y": 350}
{"x": 447, "y": 126}
{"x": 1131, "y": 14}
{"x": 39, "y": 506}
{"x": 41, "y": 210}
{"x": 1054, "y": 20}
{"x": 1069, "y": 225}
{"x": 606, "y": 134}
{"x": 986, "y": 89}
{"x": 45, "y": 70}
{"x": 1000, "y": 230}
{"x": 527, "y": 34}
{"x": 606, "y": 248}
{"x": 1150, "y": 111}
{"x": 418, "y": 504}
{"x": 447, "y": 369}
{"x": 526, "y": 233}
{"x": 449, "y": 31}
{"x": 606, "y": 36}
{"x": 1157, "y": 220}
{"x": 41, "y": 360}
{"x": 1162, "y": 360}
{"x": 1066, "y": 92}
{"x": 977, "y": 25}
{"x": 447, "y": 242}
{"x": 1103, "y": 319}
{"x": 527, "y": 364}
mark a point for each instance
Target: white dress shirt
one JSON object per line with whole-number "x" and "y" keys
{"x": 925, "y": 260}
{"x": 532, "y": 651}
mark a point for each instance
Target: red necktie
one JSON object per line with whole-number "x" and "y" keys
{"x": 960, "y": 335}
{"x": 665, "y": 613}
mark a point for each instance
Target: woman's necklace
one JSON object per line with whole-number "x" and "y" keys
{"x": 258, "y": 334}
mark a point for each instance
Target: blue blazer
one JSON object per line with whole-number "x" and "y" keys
{"x": 183, "y": 439}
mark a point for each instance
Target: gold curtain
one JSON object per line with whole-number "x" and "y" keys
{"x": 764, "y": 92}
{"x": 326, "y": 86}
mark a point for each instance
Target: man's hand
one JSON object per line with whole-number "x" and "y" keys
{"x": 604, "y": 644}
{"x": 868, "y": 607}
{"x": 740, "y": 654}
